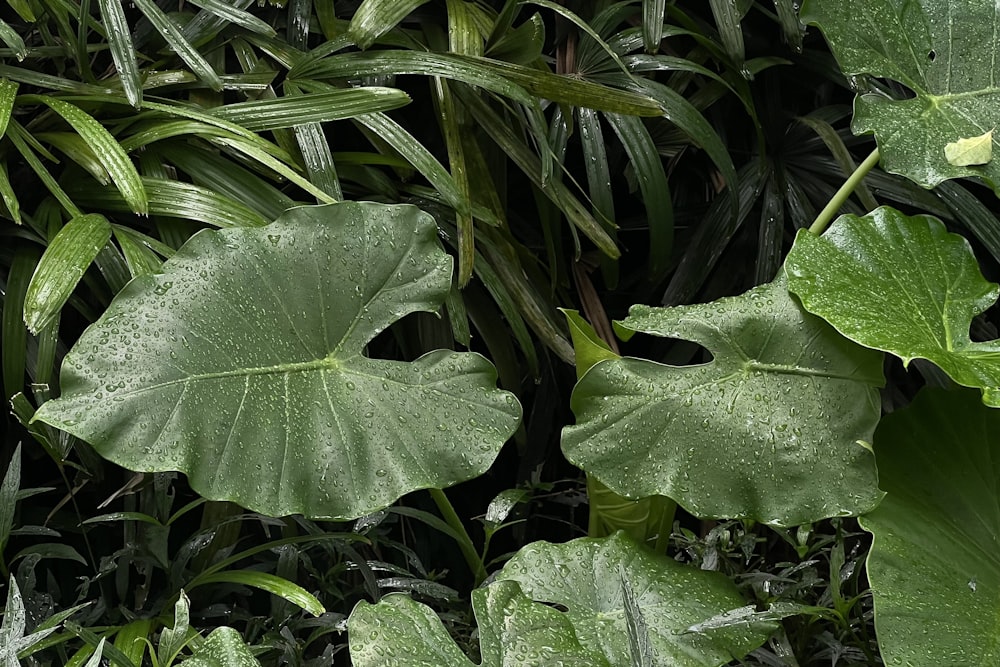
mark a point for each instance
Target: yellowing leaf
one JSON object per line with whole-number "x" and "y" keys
{"x": 970, "y": 151}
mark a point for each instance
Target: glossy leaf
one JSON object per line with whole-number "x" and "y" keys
{"x": 945, "y": 52}
{"x": 902, "y": 285}
{"x": 122, "y": 51}
{"x": 107, "y": 149}
{"x": 222, "y": 648}
{"x": 62, "y": 266}
{"x": 179, "y": 44}
{"x": 316, "y": 108}
{"x": 273, "y": 584}
{"x": 227, "y": 349}
{"x": 771, "y": 429}
{"x": 933, "y": 569}
{"x": 374, "y": 18}
{"x": 519, "y": 626}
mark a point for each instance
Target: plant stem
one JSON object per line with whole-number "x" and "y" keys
{"x": 825, "y": 216}
{"x": 465, "y": 543}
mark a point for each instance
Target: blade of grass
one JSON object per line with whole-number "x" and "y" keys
{"x": 15, "y": 335}
{"x": 8, "y": 195}
{"x": 313, "y": 108}
{"x": 8, "y": 93}
{"x": 235, "y": 15}
{"x": 653, "y": 13}
{"x": 18, "y": 136}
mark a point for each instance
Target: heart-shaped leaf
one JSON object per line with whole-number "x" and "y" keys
{"x": 242, "y": 365}
{"x": 902, "y": 285}
{"x": 945, "y": 52}
{"x": 589, "y": 577}
{"x": 933, "y": 566}
{"x": 771, "y": 429}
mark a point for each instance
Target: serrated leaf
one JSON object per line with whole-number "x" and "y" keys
{"x": 903, "y": 285}
{"x": 945, "y": 52}
{"x": 935, "y": 533}
{"x": 519, "y": 626}
{"x": 230, "y": 346}
{"x": 970, "y": 151}
{"x": 768, "y": 430}
{"x": 62, "y": 266}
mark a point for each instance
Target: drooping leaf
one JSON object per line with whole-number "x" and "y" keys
{"x": 903, "y": 285}
{"x": 771, "y": 429}
{"x": 945, "y": 52}
{"x": 62, "y": 266}
{"x": 245, "y": 355}
{"x": 933, "y": 568}
{"x": 224, "y": 647}
{"x": 517, "y": 625}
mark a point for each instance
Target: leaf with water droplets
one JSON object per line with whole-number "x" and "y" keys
{"x": 241, "y": 364}
{"x": 520, "y": 622}
{"x": 945, "y": 53}
{"x": 772, "y": 429}
{"x": 903, "y": 285}
{"x": 933, "y": 566}
{"x": 222, "y": 648}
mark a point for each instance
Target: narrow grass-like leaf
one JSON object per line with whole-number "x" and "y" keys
{"x": 140, "y": 259}
{"x": 131, "y": 639}
{"x": 279, "y": 167}
{"x": 525, "y": 159}
{"x": 79, "y": 151}
{"x": 449, "y": 116}
{"x": 689, "y": 120}
{"x": 14, "y": 333}
{"x": 178, "y": 44}
{"x": 13, "y": 39}
{"x": 313, "y": 108}
{"x": 206, "y": 25}
{"x": 8, "y": 195}
{"x": 317, "y": 159}
{"x": 727, "y": 19}
{"x": 235, "y": 15}
{"x": 62, "y": 266}
{"x": 174, "y": 199}
{"x": 507, "y": 79}
{"x": 791, "y": 27}
{"x": 653, "y": 183}
{"x": 840, "y": 153}
{"x": 107, "y": 149}
{"x": 19, "y": 137}
{"x": 8, "y": 496}
{"x": 970, "y": 212}
{"x": 652, "y": 24}
{"x": 374, "y": 18}
{"x": 23, "y": 9}
{"x": 50, "y": 82}
{"x": 122, "y": 51}
{"x": 8, "y": 92}
{"x": 215, "y": 172}
{"x": 416, "y": 154}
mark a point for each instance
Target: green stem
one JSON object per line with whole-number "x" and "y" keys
{"x": 465, "y": 543}
{"x": 825, "y": 216}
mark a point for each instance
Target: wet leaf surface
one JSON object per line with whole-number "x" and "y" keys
{"x": 768, "y": 430}
{"x": 242, "y": 365}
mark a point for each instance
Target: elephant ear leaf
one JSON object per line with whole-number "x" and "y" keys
{"x": 242, "y": 365}
{"x": 944, "y": 52}
{"x": 770, "y": 429}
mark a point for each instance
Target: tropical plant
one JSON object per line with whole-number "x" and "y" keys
{"x": 289, "y": 361}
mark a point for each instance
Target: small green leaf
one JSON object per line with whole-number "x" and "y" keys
{"x": 374, "y": 18}
{"x": 8, "y": 496}
{"x": 179, "y": 44}
{"x": 62, "y": 266}
{"x": 903, "y": 285}
{"x": 273, "y": 584}
{"x": 935, "y": 533}
{"x": 769, "y": 429}
{"x": 970, "y": 151}
{"x": 8, "y": 93}
{"x": 173, "y": 640}
{"x": 587, "y": 345}
{"x": 122, "y": 51}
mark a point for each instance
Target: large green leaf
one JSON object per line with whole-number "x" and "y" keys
{"x": 945, "y": 51}
{"x": 242, "y": 365}
{"x": 933, "y": 566}
{"x": 589, "y": 578}
{"x": 771, "y": 429}
{"x": 902, "y": 285}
